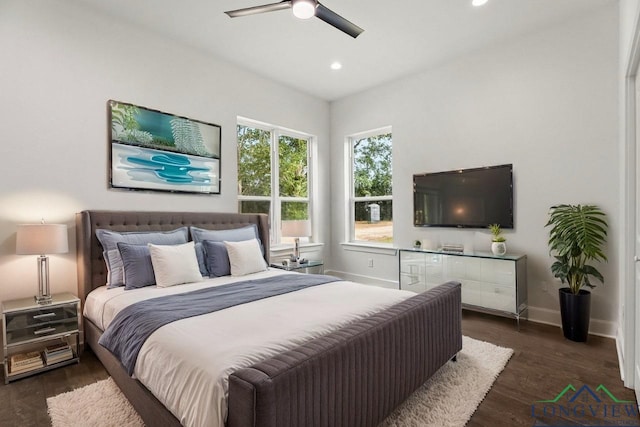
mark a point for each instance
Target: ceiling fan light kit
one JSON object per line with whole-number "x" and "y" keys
{"x": 303, "y": 9}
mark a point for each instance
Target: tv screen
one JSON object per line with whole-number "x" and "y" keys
{"x": 471, "y": 198}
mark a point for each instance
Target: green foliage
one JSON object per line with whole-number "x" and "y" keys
{"x": 293, "y": 155}
{"x": 163, "y": 143}
{"x": 294, "y": 210}
{"x": 254, "y": 206}
{"x": 254, "y": 162}
{"x": 386, "y": 210}
{"x": 372, "y": 166}
{"x": 124, "y": 116}
{"x": 577, "y": 236}
{"x": 188, "y": 138}
{"x": 496, "y": 231}
{"x": 372, "y": 174}
{"x": 254, "y": 171}
{"x": 125, "y": 127}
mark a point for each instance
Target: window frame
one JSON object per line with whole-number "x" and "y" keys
{"x": 352, "y": 199}
{"x": 275, "y": 214}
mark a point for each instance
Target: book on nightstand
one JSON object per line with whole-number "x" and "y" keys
{"x": 53, "y": 348}
{"x": 24, "y": 362}
{"x": 56, "y": 353}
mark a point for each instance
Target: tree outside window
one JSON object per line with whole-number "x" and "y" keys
{"x": 372, "y": 200}
{"x": 273, "y": 175}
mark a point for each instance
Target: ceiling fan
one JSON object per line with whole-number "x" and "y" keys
{"x": 303, "y": 9}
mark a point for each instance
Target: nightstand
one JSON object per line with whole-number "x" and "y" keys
{"x": 318, "y": 266}
{"x": 30, "y": 327}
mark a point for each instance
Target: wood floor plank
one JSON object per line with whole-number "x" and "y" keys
{"x": 542, "y": 365}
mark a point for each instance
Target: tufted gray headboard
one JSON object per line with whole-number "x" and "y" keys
{"x": 91, "y": 267}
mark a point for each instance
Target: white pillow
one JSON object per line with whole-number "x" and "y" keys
{"x": 245, "y": 257}
{"x": 174, "y": 264}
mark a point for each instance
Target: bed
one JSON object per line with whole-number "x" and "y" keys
{"x": 352, "y": 375}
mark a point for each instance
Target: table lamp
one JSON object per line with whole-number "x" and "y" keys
{"x": 42, "y": 239}
{"x": 296, "y": 228}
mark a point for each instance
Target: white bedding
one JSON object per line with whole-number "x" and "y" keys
{"x": 186, "y": 364}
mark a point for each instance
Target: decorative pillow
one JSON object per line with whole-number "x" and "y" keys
{"x": 245, "y": 257}
{"x": 230, "y": 235}
{"x": 137, "y": 267}
{"x": 109, "y": 241}
{"x": 217, "y": 258}
{"x": 174, "y": 265}
{"x": 202, "y": 259}
{"x": 115, "y": 268}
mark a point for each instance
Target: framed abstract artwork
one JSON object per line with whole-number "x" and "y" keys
{"x": 153, "y": 150}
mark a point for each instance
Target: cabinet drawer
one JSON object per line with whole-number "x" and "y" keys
{"x": 500, "y": 298}
{"x": 32, "y": 324}
{"x": 500, "y": 272}
{"x": 489, "y": 295}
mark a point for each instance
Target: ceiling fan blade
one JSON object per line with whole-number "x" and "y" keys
{"x": 271, "y": 7}
{"x": 332, "y": 18}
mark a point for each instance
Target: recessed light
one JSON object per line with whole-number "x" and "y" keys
{"x": 336, "y": 65}
{"x": 479, "y": 2}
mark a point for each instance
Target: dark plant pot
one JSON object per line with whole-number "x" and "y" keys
{"x": 575, "y": 311}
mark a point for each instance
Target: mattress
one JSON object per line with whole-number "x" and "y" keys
{"x": 186, "y": 364}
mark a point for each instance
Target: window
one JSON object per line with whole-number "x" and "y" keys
{"x": 371, "y": 201}
{"x": 274, "y": 175}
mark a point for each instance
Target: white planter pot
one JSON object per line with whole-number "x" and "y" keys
{"x": 499, "y": 248}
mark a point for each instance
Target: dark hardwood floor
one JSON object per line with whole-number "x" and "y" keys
{"x": 543, "y": 364}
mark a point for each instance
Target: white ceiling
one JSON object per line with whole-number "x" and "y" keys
{"x": 400, "y": 37}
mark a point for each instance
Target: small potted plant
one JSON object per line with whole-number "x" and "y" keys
{"x": 577, "y": 237}
{"x": 498, "y": 245}
{"x": 417, "y": 244}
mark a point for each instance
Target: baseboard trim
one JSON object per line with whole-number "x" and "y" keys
{"x": 367, "y": 280}
{"x": 602, "y": 328}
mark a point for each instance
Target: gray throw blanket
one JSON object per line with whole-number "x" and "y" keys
{"x": 134, "y": 324}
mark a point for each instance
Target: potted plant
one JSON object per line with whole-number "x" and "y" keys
{"x": 417, "y": 244}
{"x": 576, "y": 238}
{"x": 498, "y": 245}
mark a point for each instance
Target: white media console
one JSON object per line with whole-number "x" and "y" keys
{"x": 494, "y": 284}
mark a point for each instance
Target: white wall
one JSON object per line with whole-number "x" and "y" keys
{"x": 546, "y": 102}
{"x": 61, "y": 62}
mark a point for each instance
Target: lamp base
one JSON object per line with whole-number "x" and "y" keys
{"x": 296, "y": 249}
{"x": 44, "y": 295}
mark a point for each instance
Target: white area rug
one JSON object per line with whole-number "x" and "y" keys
{"x": 452, "y": 395}
{"x": 448, "y": 399}
{"x": 99, "y": 404}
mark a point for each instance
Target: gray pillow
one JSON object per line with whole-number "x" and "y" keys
{"x": 110, "y": 239}
{"x": 230, "y": 235}
{"x": 138, "y": 269}
{"x": 202, "y": 259}
{"x": 217, "y": 258}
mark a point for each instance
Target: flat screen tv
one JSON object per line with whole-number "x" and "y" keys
{"x": 468, "y": 198}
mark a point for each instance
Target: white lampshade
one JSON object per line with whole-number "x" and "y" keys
{"x": 304, "y": 9}
{"x": 41, "y": 239}
{"x": 296, "y": 228}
